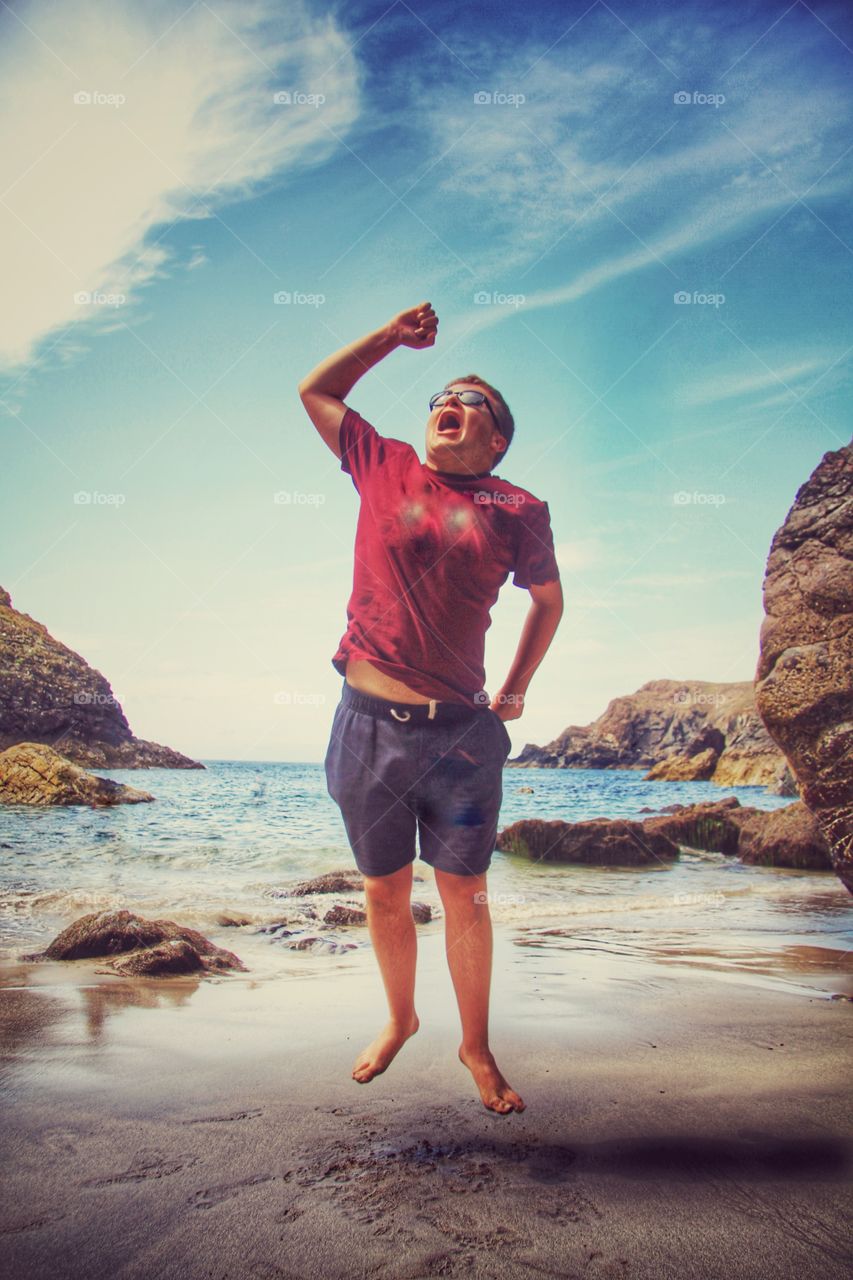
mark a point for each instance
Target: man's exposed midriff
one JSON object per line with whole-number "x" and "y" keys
{"x": 362, "y": 675}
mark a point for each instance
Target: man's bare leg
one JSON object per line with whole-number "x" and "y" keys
{"x": 392, "y": 932}
{"x": 468, "y": 940}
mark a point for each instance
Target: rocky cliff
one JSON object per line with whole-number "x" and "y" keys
{"x": 31, "y": 773}
{"x": 50, "y": 695}
{"x": 804, "y": 681}
{"x": 676, "y": 724}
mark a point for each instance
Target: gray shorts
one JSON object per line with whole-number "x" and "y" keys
{"x": 393, "y": 771}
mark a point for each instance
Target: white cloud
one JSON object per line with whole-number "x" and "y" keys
{"x": 199, "y": 258}
{"x": 600, "y": 174}
{"x": 726, "y": 383}
{"x": 176, "y": 118}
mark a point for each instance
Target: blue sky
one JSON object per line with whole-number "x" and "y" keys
{"x": 552, "y": 178}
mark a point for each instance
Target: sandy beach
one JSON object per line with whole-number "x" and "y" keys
{"x": 680, "y": 1122}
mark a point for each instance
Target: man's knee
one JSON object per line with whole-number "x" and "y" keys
{"x": 389, "y": 892}
{"x": 462, "y": 892}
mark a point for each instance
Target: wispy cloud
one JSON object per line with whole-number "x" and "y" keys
{"x": 749, "y": 378}
{"x": 599, "y": 173}
{"x": 130, "y": 119}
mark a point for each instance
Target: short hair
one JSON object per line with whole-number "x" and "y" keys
{"x": 500, "y": 406}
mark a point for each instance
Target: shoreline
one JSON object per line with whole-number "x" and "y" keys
{"x": 678, "y": 1122}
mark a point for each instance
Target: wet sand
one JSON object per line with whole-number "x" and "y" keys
{"x": 680, "y": 1123}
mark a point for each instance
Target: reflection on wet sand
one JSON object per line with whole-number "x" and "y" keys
{"x": 32, "y": 1006}
{"x": 106, "y": 998}
{"x": 721, "y": 955}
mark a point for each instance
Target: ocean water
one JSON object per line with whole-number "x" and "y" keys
{"x": 234, "y": 838}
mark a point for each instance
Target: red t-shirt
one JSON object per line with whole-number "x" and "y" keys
{"x": 432, "y": 551}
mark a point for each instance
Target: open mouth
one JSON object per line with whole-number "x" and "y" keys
{"x": 448, "y": 422}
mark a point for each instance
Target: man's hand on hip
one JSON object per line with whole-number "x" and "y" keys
{"x": 509, "y": 706}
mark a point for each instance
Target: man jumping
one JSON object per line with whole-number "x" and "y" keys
{"x": 416, "y": 744}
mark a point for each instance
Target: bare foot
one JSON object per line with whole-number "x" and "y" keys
{"x": 494, "y": 1090}
{"x": 381, "y": 1052}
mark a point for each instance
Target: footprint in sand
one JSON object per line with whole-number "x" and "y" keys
{"x": 145, "y": 1164}
{"x": 207, "y": 1197}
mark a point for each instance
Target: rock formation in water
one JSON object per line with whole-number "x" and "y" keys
{"x": 678, "y": 729}
{"x": 133, "y": 945}
{"x": 804, "y": 681}
{"x": 788, "y": 837}
{"x": 31, "y": 773}
{"x": 600, "y": 842}
{"x": 49, "y": 694}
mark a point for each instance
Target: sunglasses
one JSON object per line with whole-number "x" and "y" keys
{"x": 464, "y": 397}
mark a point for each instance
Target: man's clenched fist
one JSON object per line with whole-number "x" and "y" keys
{"x": 416, "y": 327}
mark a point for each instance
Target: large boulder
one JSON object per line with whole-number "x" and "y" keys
{"x": 146, "y": 946}
{"x": 711, "y": 826}
{"x": 695, "y": 768}
{"x": 804, "y": 680}
{"x": 31, "y": 773}
{"x": 788, "y": 837}
{"x": 601, "y": 842}
{"x": 49, "y": 694}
